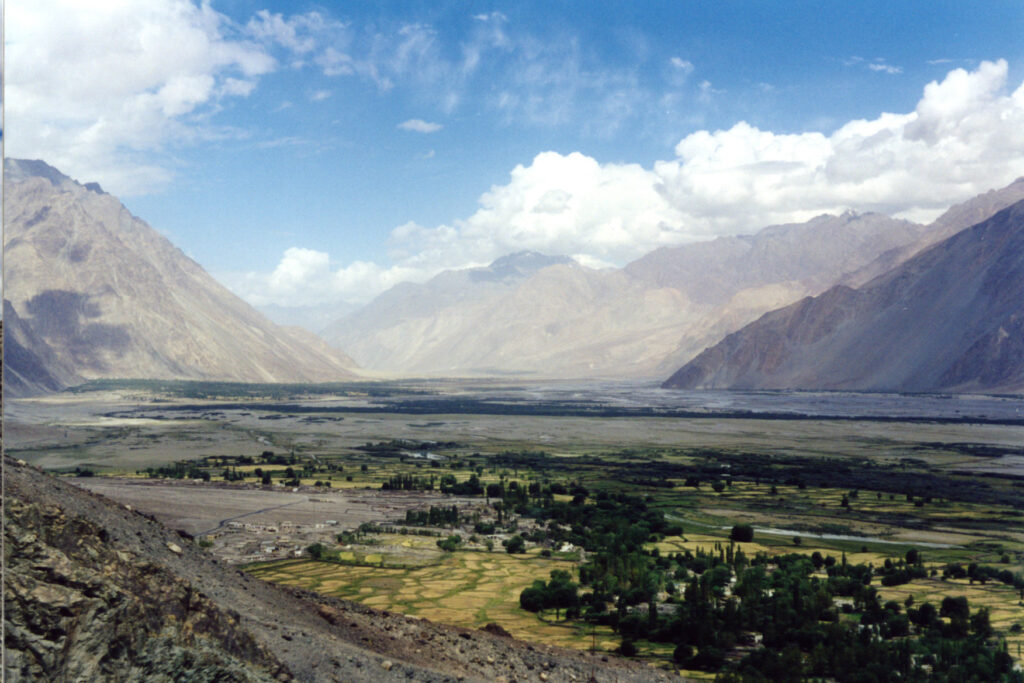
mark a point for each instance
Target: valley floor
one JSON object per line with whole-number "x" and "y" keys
{"x": 259, "y": 480}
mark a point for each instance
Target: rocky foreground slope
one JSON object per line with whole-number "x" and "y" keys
{"x": 94, "y": 591}
{"x": 949, "y": 319}
{"x": 91, "y": 291}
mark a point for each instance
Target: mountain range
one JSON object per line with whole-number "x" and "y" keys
{"x": 91, "y": 291}
{"x": 951, "y": 318}
{"x": 535, "y": 315}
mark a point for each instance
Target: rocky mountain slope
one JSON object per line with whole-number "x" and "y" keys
{"x": 949, "y": 319}
{"x": 557, "y": 318}
{"x": 92, "y": 291}
{"x": 956, "y": 218}
{"x": 94, "y": 591}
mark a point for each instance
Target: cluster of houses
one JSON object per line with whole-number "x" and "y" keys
{"x": 249, "y": 543}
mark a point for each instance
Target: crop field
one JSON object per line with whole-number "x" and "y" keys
{"x": 1003, "y": 602}
{"x": 469, "y": 588}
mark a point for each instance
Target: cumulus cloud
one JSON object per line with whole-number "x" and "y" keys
{"x": 305, "y": 277}
{"x": 172, "y": 61}
{"x": 420, "y": 126}
{"x": 965, "y": 136}
{"x": 561, "y": 204}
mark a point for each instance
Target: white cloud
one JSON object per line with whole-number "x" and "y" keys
{"x": 298, "y": 267}
{"x": 238, "y": 86}
{"x": 319, "y": 95}
{"x": 420, "y": 126}
{"x": 493, "y": 16}
{"x": 707, "y": 92}
{"x": 682, "y": 64}
{"x": 298, "y": 33}
{"x": 304, "y": 277}
{"x": 561, "y": 204}
{"x": 97, "y": 88}
{"x": 965, "y": 136}
{"x": 877, "y": 65}
{"x": 885, "y": 68}
{"x": 336, "y": 63}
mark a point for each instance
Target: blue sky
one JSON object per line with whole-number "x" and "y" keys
{"x": 309, "y": 153}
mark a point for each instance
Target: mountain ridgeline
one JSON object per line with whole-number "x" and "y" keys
{"x": 93, "y": 292}
{"x": 949, "y": 319}
{"x": 542, "y": 316}
{"x": 531, "y": 315}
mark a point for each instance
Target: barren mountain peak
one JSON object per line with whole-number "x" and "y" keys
{"x": 101, "y": 294}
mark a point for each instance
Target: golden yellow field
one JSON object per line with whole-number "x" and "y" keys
{"x": 465, "y": 588}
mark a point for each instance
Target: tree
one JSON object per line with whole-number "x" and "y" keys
{"x": 682, "y": 653}
{"x": 742, "y": 533}
{"x": 532, "y": 598}
{"x": 316, "y": 551}
{"x": 516, "y": 544}
{"x": 450, "y": 544}
{"x": 980, "y": 623}
{"x": 562, "y": 593}
{"x": 817, "y": 560}
{"x": 718, "y": 486}
{"x": 954, "y": 607}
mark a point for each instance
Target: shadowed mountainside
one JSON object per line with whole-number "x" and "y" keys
{"x": 949, "y": 319}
